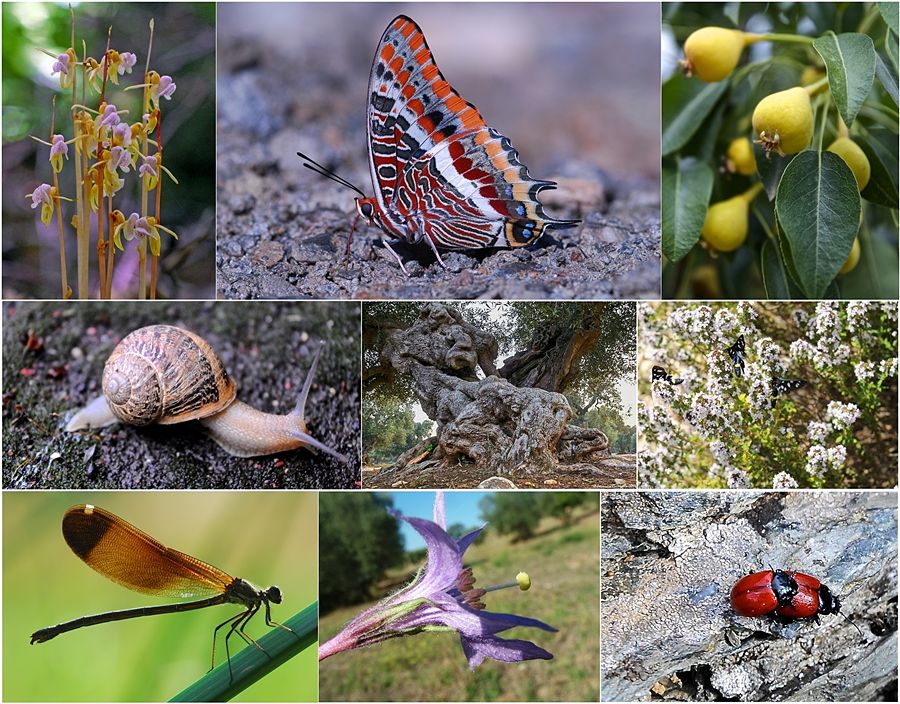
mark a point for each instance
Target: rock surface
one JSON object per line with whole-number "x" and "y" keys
{"x": 669, "y": 561}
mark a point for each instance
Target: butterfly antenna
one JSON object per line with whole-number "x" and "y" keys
{"x": 316, "y": 167}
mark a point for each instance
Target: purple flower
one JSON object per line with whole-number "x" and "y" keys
{"x": 165, "y": 88}
{"x": 110, "y": 116}
{"x": 119, "y": 158}
{"x": 41, "y": 195}
{"x": 61, "y": 65}
{"x": 127, "y": 60}
{"x": 442, "y": 597}
{"x": 58, "y": 150}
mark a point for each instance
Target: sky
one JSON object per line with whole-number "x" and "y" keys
{"x": 461, "y": 507}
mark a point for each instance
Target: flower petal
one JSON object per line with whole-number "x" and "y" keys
{"x": 444, "y": 559}
{"x": 477, "y": 649}
{"x": 463, "y": 543}
{"x": 440, "y": 512}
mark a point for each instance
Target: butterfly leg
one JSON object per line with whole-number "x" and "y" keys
{"x": 396, "y": 256}
{"x": 350, "y": 236}
{"x": 436, "y": 253}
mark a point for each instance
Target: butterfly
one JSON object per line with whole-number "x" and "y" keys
{"x": 736, "y": 352}
{"x": 440, "y": 173}
{"x": 661, "y": 373}
{"x": 782, "y": 386}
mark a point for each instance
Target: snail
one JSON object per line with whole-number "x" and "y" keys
{"x": 164, "y": 374}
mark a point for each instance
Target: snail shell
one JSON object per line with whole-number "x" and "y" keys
{"x": 163, "y": 374}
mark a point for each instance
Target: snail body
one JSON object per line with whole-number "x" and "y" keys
{"x": 163, "y": 374}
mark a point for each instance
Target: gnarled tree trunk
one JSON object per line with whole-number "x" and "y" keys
{"x": 509, "y": 422}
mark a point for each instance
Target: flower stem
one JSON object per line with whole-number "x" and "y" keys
{"x": 63, "y": 276}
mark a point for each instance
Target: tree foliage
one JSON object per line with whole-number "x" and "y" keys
{"x": 358, "y": 541}
{"x": 519, "y": 514}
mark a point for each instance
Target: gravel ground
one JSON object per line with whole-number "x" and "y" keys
{"x": 266, "y": 347}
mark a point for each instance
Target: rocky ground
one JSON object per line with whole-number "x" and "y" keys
{"x": 613, "y": 472}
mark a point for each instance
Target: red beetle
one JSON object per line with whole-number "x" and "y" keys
{"x": 784, "y": 594}
{"x": 764, "y": 592}
{"x": 812, "y": 598}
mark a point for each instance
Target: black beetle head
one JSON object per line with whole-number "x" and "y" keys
{"x": 828, "y": 603}
{"x": 785, "y": 587}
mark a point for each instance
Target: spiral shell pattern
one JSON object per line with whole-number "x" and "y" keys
{"x": 163, "y": 374}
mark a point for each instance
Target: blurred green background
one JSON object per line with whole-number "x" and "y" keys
{"x": 554, "y": 536}
{"x": 183, "y": 47}
{"x": 265, "y": 537}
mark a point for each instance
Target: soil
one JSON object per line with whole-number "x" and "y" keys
{"x": 615, "y": 472}
{"x": 53, "y": 357}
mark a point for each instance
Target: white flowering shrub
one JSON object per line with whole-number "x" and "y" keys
{"x": 812, "y": 403}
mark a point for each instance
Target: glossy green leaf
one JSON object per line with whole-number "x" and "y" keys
{"x": 777, "y": 281}
{"x": 686, "y": 104}
{"x": 685, "y": 196}
{"x": 850, "y": 61}
{"x": 818, "y": 207}
{"x": 880, "y": 147}
{"x": 876, "y": 275}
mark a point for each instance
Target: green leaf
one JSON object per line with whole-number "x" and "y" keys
{"x": 850, "y": 61}
{"x": 887, "y": 78}
{"x": 770, "y": 168}
{"x": 252, "y": 664}
{"x": 685, "y": 197}
{"x": 686, "y": 103}
{"x": 890, "y": 12}
{"x": 777, "y": 281}
{"x": 818, "y": 207}
{"x": 880, "y": 147}
{"x": 876, "y": 275}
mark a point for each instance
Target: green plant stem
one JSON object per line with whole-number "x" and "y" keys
{"x": 796, "y": 38}
{"x": 251, "y": 664}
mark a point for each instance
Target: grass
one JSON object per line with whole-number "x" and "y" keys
{"x": 563, "y": 564}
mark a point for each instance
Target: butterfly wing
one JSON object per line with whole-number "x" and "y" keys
{"x": 439, "y": 170}
{"x": 783, "y": 386}
{"x": 658, "y": 373}
{"x": 736, "y": 352}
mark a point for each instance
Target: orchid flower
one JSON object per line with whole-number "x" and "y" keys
{"x": 160, "y": 87}
{"x": 58, "y": 150}
{"x": 442, "y": 597}
{"x": 62, "y": 66}
{"x": 149, "y": 171}
{"x": 141, "y": 227}
{"x": 110, "y": 116}
{"x": 43, "y": 196}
